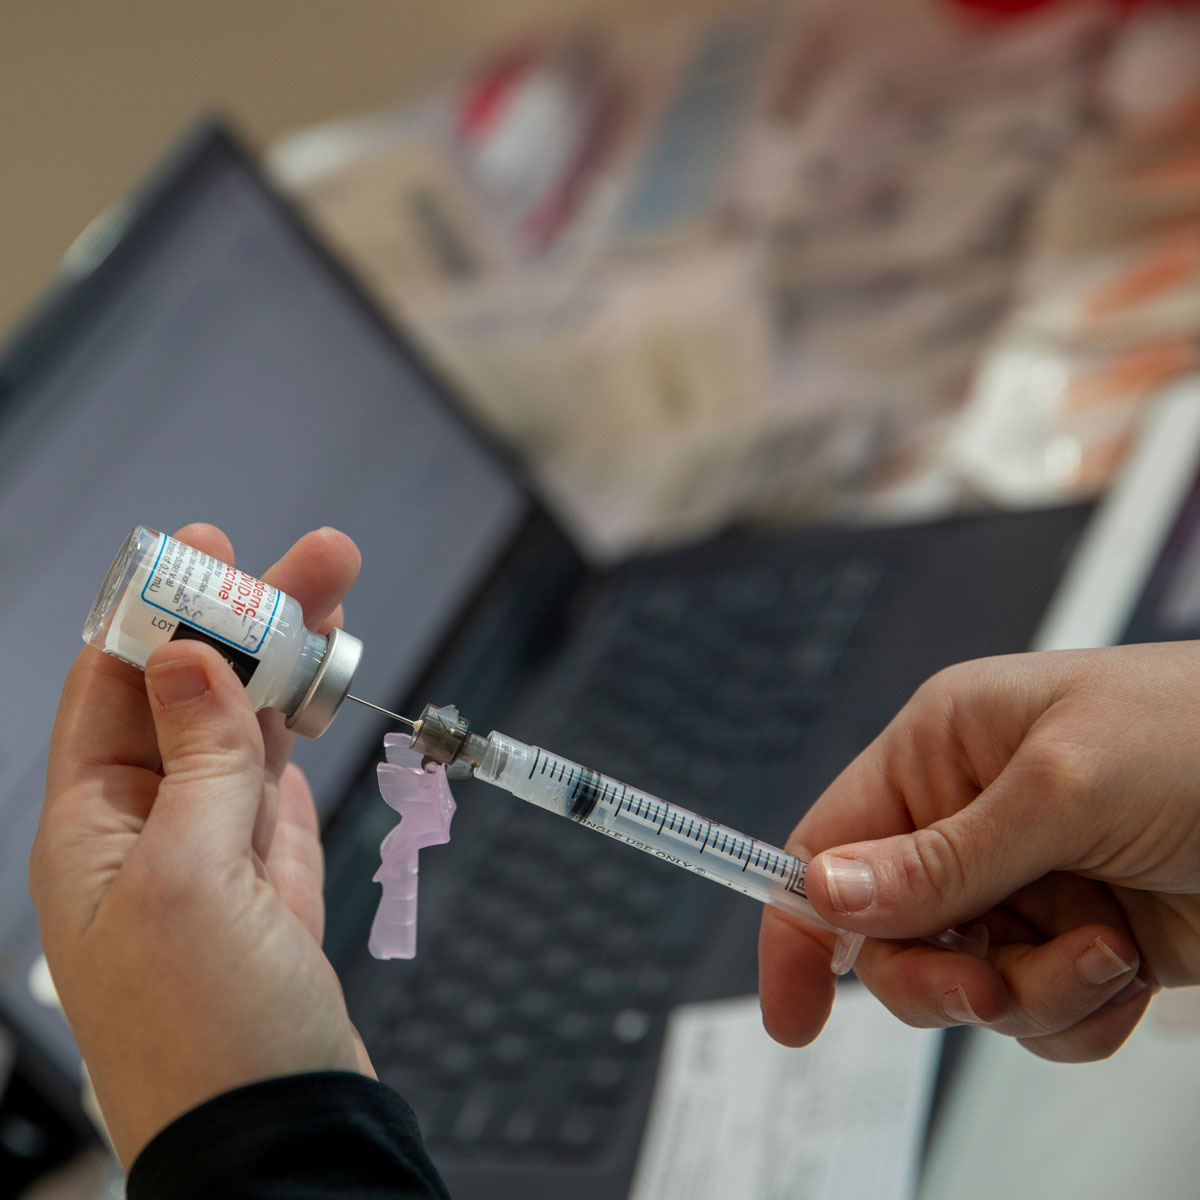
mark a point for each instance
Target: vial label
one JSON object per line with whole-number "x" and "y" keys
{"x": 211, "y": 596}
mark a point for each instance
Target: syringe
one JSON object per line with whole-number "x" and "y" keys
{"x": 670, "y": 833}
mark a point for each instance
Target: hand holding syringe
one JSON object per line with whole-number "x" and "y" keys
{"x": 670, "y": 833}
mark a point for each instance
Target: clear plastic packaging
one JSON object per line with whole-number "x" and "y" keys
{"x": 160, "y": 590}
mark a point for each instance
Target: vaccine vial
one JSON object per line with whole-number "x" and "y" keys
{"x": 159, "y": 590}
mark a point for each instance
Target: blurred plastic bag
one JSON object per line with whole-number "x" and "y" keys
{"x": 1151, "y": 86}
{"x": 1045, "y": 423}
{"x": 765, "y": 292}
{"x": 1144, "y": 289}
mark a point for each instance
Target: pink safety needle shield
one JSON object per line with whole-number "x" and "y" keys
{"x": 422, "y": 798}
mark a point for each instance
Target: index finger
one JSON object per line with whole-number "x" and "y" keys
{"x": 920, "y": 768}
{"x": 317, "y": 571}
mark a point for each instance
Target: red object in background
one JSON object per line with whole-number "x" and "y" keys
{"x": 534, "y": 123}
{"x": 486, "y": 95}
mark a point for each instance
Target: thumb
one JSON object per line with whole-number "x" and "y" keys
{"x": 209, "y": 741}
{"x": 954, "y": 870}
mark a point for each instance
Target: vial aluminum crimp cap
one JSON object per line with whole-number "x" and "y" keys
{"x": 329, "y": 686}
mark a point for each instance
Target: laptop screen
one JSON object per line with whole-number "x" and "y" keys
{"x": 222, "y": 371}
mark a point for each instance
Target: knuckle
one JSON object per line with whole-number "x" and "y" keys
{"x": 940, "y": 689}
{"x": 1062, "y": 770}
{"x": 933, "y": 863}
{"x": 1054, "y": 1013}
{"x": 934, "y": 696}
{"x": 935, "y": 714}
{"x": 203, "y": 755}
{"x": 1036, "y": 1023}
{"x": 1082, "y": 1043}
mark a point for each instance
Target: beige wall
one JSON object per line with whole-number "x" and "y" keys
{"x": 91, "y": 90}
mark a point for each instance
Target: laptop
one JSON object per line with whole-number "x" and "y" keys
{"x": 206, "y": 358}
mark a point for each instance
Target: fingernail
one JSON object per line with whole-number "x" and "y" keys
{"x": 1100, "y": 964}
{"x": 179, "y": 682}
{"x": 851, "y": 883}
{"x": 958, "y": 1008}
{"x": 1133, "y": 988}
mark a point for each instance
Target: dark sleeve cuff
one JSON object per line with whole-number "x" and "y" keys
{"x": 304, "y": 1137}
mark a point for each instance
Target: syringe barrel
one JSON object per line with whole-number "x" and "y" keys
{"x": 673, "y": 834}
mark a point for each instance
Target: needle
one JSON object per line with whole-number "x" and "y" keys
{"x": 395, "y": 716}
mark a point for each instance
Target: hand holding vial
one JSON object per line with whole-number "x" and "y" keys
{"x": 177, "y": 872}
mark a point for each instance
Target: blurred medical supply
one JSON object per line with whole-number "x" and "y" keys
{"x": 1108, "y": 309}
{"x": 776, "y": 263}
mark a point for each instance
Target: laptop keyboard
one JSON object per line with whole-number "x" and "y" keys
{"x": 541, "y": 998}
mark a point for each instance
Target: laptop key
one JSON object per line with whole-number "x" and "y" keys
{"x": 576, "y": 1028}
{"x": 536, "y": 1007}
{"x": 650, "y": 983}
{"x": 482, "y": 1016}
{"x": 511, "y": 1052}
{"x": 584, "y": 1126}
{"x": 521, "y": 1127}
{"x": 605, "y": 1078}
{"x": 600, "y": 982}
{"x": 457, "y": 1061}
{"x": 631, "y": 1027}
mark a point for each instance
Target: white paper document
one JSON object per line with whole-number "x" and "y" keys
{"x": 736, "y": 1116}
